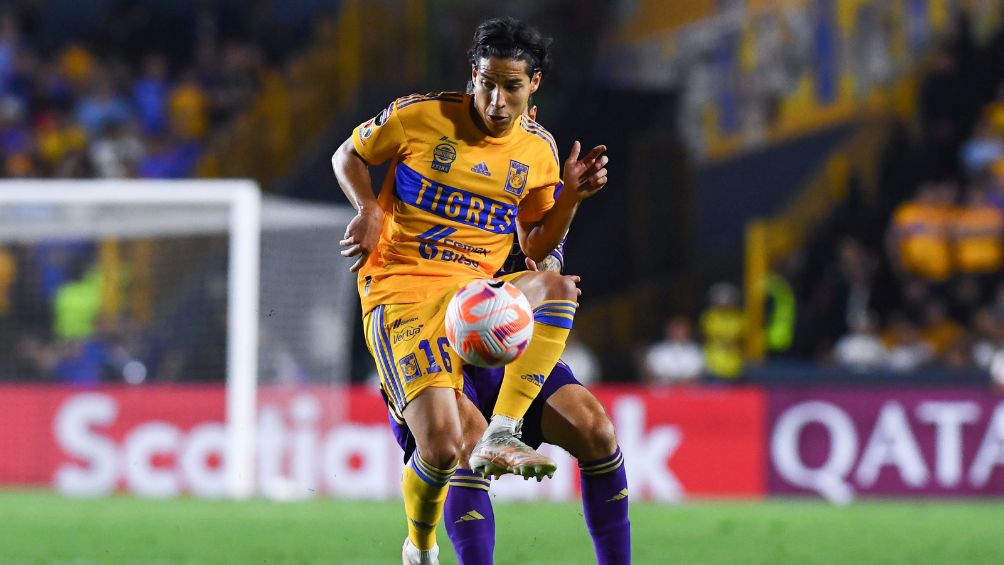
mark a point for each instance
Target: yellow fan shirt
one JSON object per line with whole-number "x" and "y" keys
{"x": 451, "y": 197}
{"x": 924, "y": 239}
{"x": 978, "y": 232}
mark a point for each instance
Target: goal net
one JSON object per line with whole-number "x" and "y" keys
{"x": 165, "y": 282}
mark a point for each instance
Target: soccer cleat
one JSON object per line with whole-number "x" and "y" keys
{"x": 502, "y": 452}
{"x": 411, "y": 555}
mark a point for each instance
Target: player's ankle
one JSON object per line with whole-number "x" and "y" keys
{"x": 502, "y": 424}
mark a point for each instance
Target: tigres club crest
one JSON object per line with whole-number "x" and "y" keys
{"x": 409, "y": 367}
{"x": 516, "y": 180}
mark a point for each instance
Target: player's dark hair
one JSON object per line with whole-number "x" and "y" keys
{"x": 509, "y": 38}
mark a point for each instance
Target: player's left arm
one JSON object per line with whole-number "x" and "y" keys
{"x": 582, "y": 178}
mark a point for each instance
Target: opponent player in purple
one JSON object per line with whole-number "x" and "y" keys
{"x": 565, "y": 414}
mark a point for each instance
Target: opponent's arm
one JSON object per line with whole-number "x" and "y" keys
{"x": 363, "y": 232}
{"x": 581, "y": 179}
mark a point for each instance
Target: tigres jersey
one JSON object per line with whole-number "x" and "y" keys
{"x": 924, "y": 239}
{"x": 451, "y": 196}
{"x": 976, "y": 232}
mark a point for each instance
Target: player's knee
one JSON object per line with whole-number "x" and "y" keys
{"x": 442, "y": 447}
{"x": 443, "y": 453}
{"x": 599, "y": 439}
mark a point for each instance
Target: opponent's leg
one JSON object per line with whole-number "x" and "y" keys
{"x": 500, "y": 451}
{"x": 434, "y": 421}
{"x": 470, "y": 520}
{"x": 574, "y": 420}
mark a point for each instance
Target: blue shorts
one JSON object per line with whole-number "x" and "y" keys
{"x": 482, "y": 386}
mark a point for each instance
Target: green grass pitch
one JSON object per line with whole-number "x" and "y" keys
{"x": 39, "y": 527}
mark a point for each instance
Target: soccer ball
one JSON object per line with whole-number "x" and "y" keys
{"x": 489, "y": 323}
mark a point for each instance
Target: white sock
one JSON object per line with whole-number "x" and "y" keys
{"x": 423, "y": 555}
{"x": 500, "y": 423}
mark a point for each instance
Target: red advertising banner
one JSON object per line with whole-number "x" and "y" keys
{"x": 96, "y": 441}
{"x": 696, "y": 441}
{"x": 843, "y": 443}
{"x": 162, "y": 441}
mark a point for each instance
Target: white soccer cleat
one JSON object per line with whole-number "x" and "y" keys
{"x": 411, "y": 555}
{"x": 500, "y": 451}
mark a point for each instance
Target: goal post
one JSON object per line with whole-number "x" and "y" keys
{"x": 279, "y": 257}
{"x": 242, "y": 345}
{"x": 243, "y": 199}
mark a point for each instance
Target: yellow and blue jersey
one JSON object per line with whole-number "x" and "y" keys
{"x": 451, "y": 197}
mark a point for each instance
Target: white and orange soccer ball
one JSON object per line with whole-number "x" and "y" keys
{"x": 489, "y": 323}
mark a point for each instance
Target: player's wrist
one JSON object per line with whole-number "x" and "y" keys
{"x": 369, "y": 208}
{"x": 569, "y": 198}
{"x": 568, "y": 208}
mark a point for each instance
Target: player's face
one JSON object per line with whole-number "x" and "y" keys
{"x": 502, "y": 89}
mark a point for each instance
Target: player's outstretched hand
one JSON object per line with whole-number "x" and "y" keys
{"x": 362, "y": 235}
{"x": 585, "y": 177}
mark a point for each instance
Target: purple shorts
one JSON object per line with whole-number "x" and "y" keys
{"x": 482, "y": 387}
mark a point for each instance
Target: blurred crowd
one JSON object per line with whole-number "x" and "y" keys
{"x": 903, "y": 282}
{"x": 134, "y": 90}
{"x": 719, "y": 355}
{"x": 906, "y": 280}
{"x": 65, "y": 317}
{"x": 912, "y": 278}
{"x": 79, "y": 114}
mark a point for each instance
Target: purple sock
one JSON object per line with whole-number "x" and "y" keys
{"x": 605, "y": 506}
{"x": 470, "y": 521}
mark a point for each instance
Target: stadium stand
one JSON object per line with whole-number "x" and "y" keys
{"x": 921, "y": 255}
{"x": 127, "y": 95}
{"x": 233, "y": 97}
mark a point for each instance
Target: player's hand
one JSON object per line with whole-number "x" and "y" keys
{"x": 531, "y": 112}
{"x": 532, "y": 266}
{"x": 362, "y": 235}
{"x": 587, "y": 176}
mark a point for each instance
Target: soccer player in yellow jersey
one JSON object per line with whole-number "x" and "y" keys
{"x": 469, "y": 171}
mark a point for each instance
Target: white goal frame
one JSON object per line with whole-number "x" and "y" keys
{"x": 244, "y": 200}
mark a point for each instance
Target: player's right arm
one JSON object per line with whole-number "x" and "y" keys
{"x": 371, "y": 143}
{"x": 363, "y": 231}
